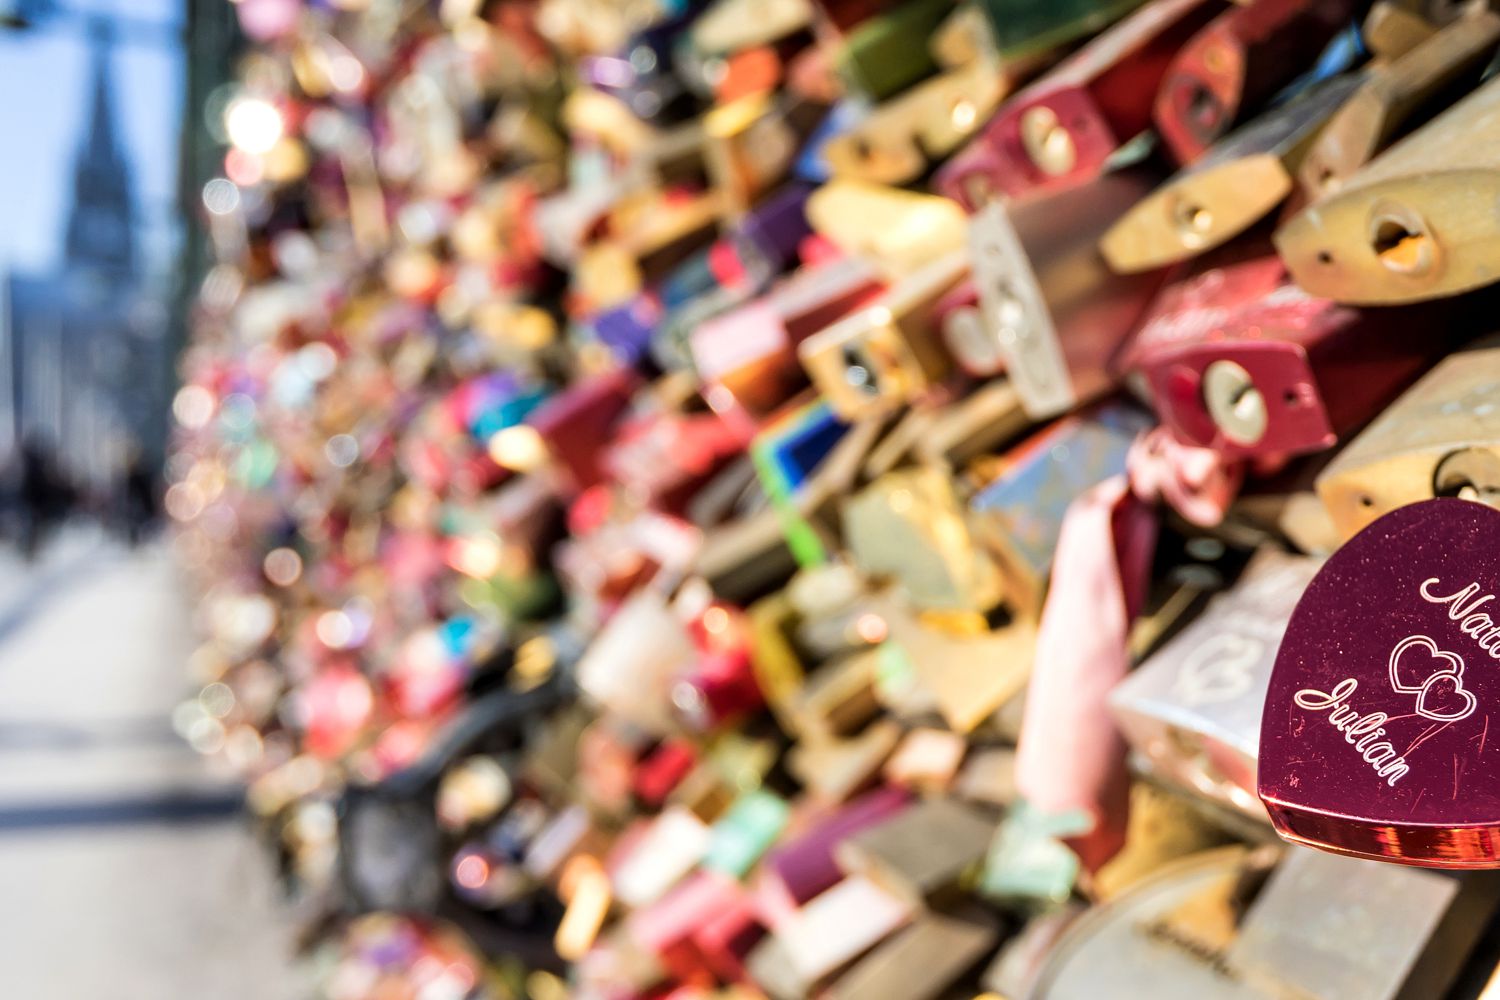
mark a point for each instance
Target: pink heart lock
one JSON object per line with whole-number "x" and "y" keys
{"x": 1375, "y": 740}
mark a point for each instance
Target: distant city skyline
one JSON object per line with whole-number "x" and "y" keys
{"x": 44, "y": 80}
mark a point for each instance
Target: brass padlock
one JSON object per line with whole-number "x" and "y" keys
{"x": 899, "y": 230}
{"x": 1393, "y": 95}
{"x": 1440, "y": 438}
{"x": 907, "y": 526}
{"x": 1404, "y": 227}
{"x": 901, "y": 138}
{"x": 887, "y": 353}
{"x": 1235, "y": 185}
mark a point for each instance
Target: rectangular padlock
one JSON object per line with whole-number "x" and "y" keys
{"x": 908, "y": 527}
{"x": 764, "y": 243}
{"x": 926, "y": 760}
{"x": 888, "y": 353}
{"x": 1440, "y": 438}
{"x": 835, "y": 928}
{"x": 974, "y": 427}
{"x": 750, "y": 144}
{"x": 616, "y": 962}
{"x": 664, "y": 458}
{"x": 1029, "y": 27}
{"x": 1193, "y": 709}
{"x": 670, "y": 845}
{"x": 568, "y": 834}
{"x": 970, "y": 672}
{"x": 672, "y": 920}
{"x": 571, "y": 429}
{"x": 664, "y": 231}
{"x": 749, "y": 828}
{"x": 748, "y": 357}
{"x": 1403, "y": 228}
{"x": 747, "y": 558}
{"x": 1393, "y": 28}
{"x": 919, "y": 853}
{"x": 921, "y": 961}
{"x": 887, "y": 53}
{"x": 1285, "y": 942}
{"x": 902, "y": 137}
{"x": 839, "y": 697}
{"x": 1227, "y": 71}
{"x": 730, "y": 26}
{"x": 1164, "y": 826}
{"x": 1399, "y": 94}
{"x": 632, "y": 665}
{"x": 1060, "y": 316}
{"x": 1282, "y": 373}
{"x": 778, "y": 667}
{"x": 833, "y": 770}
{"x": 628, "y": 329}
{"x": 898, "y": 230}
{"x": 988, "y": 777}
{"x": 672, "y": 157}
{"x": 1234, "y": 186}
{"x": 802, "y": 867}
{"x": 1019, "y": 515}
{"x": 726, "y": 938}
{"x": 1063, "y": 128}
{"x": 797, "y": 459}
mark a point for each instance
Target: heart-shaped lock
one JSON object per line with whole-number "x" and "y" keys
{"x": 1375, "y": 740}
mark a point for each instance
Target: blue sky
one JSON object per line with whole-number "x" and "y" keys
{"x": 44, "y": 76}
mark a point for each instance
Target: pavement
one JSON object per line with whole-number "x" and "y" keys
{"x": 127, "y": 871}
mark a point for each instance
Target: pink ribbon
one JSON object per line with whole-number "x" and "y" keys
{"x": 1071, "y": 755}
{"x": 1195, "y": 482}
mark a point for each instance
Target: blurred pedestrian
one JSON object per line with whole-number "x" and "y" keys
{"x": 46, "y": 498}
{"x": 139, "y": 498}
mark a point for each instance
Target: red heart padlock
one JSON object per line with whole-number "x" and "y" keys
{"x": 1376, "y": 738}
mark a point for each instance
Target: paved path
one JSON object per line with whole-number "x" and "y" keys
{"x": 125, "y": 871}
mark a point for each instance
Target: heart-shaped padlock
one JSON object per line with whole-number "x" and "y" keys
{"x": 1375, "y": 739}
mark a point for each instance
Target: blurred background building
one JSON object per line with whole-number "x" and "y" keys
{"x": 87, "y": 343}
{"x": 95, "y": 257}
{"x": 126, "y": 873}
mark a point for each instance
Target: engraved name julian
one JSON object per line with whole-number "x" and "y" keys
{"x": 1363, "y": 731}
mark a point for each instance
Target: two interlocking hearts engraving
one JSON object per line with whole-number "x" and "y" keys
{"x": 1441, "y": 695}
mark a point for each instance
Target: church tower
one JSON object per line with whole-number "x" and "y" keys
{"x": 101, "y": 223}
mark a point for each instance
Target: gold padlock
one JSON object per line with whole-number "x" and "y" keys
{"x": 901, "y": 231}
{"x": 1404, "y": 228}
{"x": 887, "y": 353}
{"x": 907, "y": 526}
{"x": 1236, "y": 184}
{"x": 970, "y": 672}
{"x": 1394, "y": 94}
{"x": 1441, "y": 438}
{"x": 904, "y": 136}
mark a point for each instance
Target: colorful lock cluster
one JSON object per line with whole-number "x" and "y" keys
{"x": 801, "y": 498}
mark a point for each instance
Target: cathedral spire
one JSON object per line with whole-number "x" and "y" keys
{"x": 101, "y": 224}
